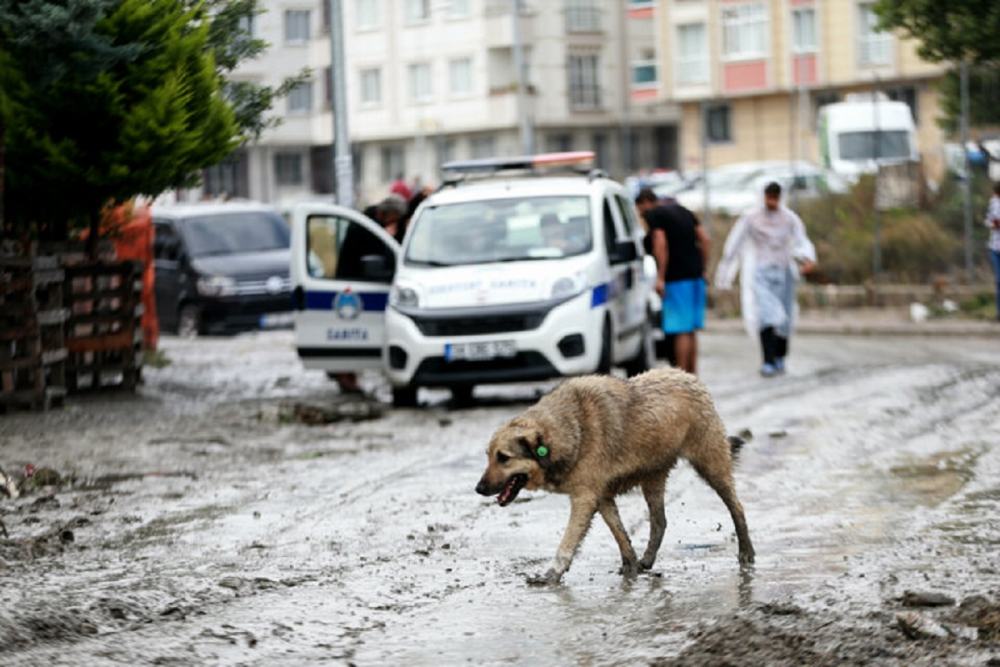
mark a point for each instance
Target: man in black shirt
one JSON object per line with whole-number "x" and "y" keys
{"x": 681, "y": 248}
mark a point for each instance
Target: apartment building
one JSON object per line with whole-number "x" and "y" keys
{"x": 430, "y": 81}
{"x": 752, "y": 74}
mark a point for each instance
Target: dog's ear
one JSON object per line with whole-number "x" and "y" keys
{"x": 535, "y": 447}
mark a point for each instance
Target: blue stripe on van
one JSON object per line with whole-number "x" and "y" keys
{"x": 599, "y": 296}
{"x": 370, "y": 301}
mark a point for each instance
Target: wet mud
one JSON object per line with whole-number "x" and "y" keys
{"x": 239, "y": 510}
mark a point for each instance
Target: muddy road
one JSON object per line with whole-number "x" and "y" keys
{"x": 200, "y": 522}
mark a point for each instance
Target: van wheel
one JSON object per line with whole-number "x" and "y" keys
{"x": 604, "y": 364}
{"x": 645, "y": 358}
{"x": 189, "y": 321}
{"x": 404, "y": 397}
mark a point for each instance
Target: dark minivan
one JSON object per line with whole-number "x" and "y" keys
{"x": 221, "y": 267}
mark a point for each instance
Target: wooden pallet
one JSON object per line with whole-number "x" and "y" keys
{"x": 32, "y": 343}
{"x": 104, "y": 332}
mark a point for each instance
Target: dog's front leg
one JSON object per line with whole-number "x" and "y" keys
{"x": 609, "y": 511}
{"x": 580, "y": 516}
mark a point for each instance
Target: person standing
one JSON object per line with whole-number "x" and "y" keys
{"x": 681, "y": 249}
{"x": 993, "y": 224}
{"x": 769, "y": 245}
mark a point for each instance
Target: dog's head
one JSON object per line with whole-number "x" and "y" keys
{"x": 519, "y": 456}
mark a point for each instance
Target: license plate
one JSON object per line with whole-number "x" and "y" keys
{"x": 274, "y": 320}
{"x": 480, "y": 351}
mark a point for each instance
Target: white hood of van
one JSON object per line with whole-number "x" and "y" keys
{"x": 489, "y": 284}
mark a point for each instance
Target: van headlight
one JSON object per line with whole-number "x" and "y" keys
{"x": 216, "y": 286}
{"x": 566, "y": 287}
{"x": 404, "y": 297}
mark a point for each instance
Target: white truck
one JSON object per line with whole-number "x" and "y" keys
{"x": 864, "y": 131}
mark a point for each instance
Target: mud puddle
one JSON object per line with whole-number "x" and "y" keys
{"x": 207, "y": 529}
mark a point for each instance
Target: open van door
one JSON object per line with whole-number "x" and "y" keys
{"x": 342, "y": 268}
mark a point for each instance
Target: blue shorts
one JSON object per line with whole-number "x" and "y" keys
{"x": 684, "y": 306}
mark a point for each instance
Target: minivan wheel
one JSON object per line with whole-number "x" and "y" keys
{"x": 189, "y": 321}
{"x": 604, "y": 364}
{"x": 404, "y": 397}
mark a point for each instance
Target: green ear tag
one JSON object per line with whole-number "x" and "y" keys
{"x": 542, "y": 451}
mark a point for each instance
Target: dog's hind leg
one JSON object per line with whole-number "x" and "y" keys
{"x": 652, "y": 491}
{"x": 720, "y": 478}
{"x": 609, "y": 511}
{"x": 580, "y": 517}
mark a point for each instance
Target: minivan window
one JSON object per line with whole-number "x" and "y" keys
{"x": 500, "y": 230}
{"x": 231, "y": 233}
{"x": 861, "y": 145}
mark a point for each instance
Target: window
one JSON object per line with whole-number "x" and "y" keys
{"x": 600, "y": 142}
{"x": 457, "y": 8}
{"x": 584, "y": 89}
{"x": 392, "y": 162}
{"x": 247, "y": 25}
{"x": 300, "y": 99}
{"x": 692, "y": 54}
{"x": 804, "y": 30}
{"x": 418, "y": 10}
{"x": 906, "y": 94}
{"x": 874, "y": 47}
{"x": 460, "y": 77}
{"x": 445, "y": 151}
{"x": 371, "y": 86}
{"x": 744, "y": 31}
{"x": 644, "y": 74}
{"x": 482, "y": 147}
{"x": 559, "y": 143}
{"x": 288, "y": 168}
{"x": 368, "y": 14}
{"x": 583, "y": 16}
{"x": 337, "y": 248}
{"x": 718, "y": 123}
{"x": 420, "y": 82}
{"x": 296, "y": 26}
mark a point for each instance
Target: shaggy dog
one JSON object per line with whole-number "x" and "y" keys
{"x": 596, "y": 437}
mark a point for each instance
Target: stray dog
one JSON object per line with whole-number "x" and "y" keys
{"x": 596, "y": 437}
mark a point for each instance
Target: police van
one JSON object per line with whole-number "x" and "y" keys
{"x": 516, "y": 269}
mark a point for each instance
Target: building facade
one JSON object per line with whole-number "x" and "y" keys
{"x": 432, "y": 81}
{"x": 751, "y": 75}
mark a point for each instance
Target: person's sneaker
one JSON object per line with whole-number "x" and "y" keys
{"x": 768, "y": 370}
{"x": 779, "y": 365}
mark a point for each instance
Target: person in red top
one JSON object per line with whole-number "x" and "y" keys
{"x": 399, "y": 187}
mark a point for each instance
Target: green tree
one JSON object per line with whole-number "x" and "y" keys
{"x": 108, "y": 100}
{"x": 952, "y": 31}
{"x": 104, "y": 100}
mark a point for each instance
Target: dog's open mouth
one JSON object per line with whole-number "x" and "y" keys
{"x": 510, "y": 491}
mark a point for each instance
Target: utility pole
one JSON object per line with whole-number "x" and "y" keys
{"x": 707, "y": 212}
{"x": 342, "y": 164}
{"x": 966, "y": 182}
{"x": 527, "y": 134}
{"x": 876, "y": 213}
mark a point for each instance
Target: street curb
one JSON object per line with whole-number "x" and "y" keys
{"x": 849, "y": 326}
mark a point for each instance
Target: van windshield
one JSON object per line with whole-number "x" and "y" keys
{"x": 861, "y": 145}
{"x": 500, "y": 230}
{"x": 232, "y": 233}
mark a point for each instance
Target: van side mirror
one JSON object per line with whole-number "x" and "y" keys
{"x": 376, "y": 268}
{"x": 624, "y": 251}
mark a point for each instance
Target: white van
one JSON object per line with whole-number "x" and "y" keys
{"x": 512, "y": 277}
{"x": 847, "y": 132}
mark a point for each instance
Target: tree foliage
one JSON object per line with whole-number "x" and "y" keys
{"x": 104, "y": 100}
{"x": 952, "y": 30}
{"x": 108, "y": 99}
